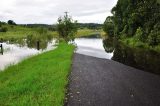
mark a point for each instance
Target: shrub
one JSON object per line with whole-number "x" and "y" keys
{"x": 108, "y": 26}
{"x": 67, "y": 28}
{"x": 3, "y": 29}
{"x": 154, "y": 38}
{"x": 11, "y": 22}
{"x": 139, "y": 35}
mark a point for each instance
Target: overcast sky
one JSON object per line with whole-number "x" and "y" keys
{"x": 47, "y": 11}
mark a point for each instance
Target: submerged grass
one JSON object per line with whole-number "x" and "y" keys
{"x": 39, "y": 80}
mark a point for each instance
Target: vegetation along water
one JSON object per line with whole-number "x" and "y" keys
{"x": 40, "y": 80}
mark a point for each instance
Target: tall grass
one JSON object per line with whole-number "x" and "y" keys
{"x": 19, "y": 32}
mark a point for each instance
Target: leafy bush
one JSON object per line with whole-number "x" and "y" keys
{"x": 139, "y": 35}
{"x": 3, "y": 29}
{"x": 137, "y": 19}
{"x": 67, "y": 28}
{"x": 11, "y": 22}
{"x": 42, "y": 30}
{"x": 154, "y": 38}
{"x": 108, "y": 27}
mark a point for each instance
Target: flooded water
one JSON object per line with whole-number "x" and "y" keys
{"x": 108, "y": 49}
{"x": 140, "y": 58}
{"x": 111, "y": 49}
{"x": 92, "y": 47}
{"x": 14, "y": 53}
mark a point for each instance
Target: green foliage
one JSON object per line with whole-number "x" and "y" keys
{"x": 137, "y": 19}
{"x": 11, "y": 22}
{"x": 91, "y": 26}
{"x": 108, "y": 26}
{"x": 88, "y": 32}
{"x": 66, "y": 28}
{"x": 139, "y": 34}
{"x": 3, "y": 29}
{"x": 42, "y": 30}
{"x": 154, "y": 36}
{"x": 43, "y": 36}
{"x": 20, "y": 32}
{"x": 39, "y": 80}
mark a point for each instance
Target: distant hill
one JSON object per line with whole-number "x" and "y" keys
{"x": 50, "y": 27}
{"x": 53, "y": 27}
{"x": 90, "y": 25}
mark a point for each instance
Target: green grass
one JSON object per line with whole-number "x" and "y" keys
{"x": 132, "y": 42}
{"x": 20, "y": 32}
{"x": 88, "y": 32}
{"x": 39, "y": 80}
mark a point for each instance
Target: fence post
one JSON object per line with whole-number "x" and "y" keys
{"x": 38, "y": 45}
{"x": 1, "y": 46}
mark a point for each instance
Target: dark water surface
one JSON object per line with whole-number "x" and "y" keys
{"x": 140, "y": 58}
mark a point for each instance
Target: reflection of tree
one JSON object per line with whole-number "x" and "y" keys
{"x": 108, "y": 45}
{"x": 32, "y": 41}
{"x": 139, "y": 58}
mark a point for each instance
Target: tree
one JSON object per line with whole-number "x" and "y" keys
{"x": 139, "y": 34}
{"x": 154, "y": 36}
{"x": 137, "y": 18}
{"x": 108, "y": 26}
{"x": 66, "y": 27}
{"x": 11, "y": 22}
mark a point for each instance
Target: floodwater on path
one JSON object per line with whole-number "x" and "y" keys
{"x": 140, "y": 58}
{"x": 92, "y": 47}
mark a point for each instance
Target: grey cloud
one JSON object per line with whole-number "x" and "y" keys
{"x": 47, "y": 11}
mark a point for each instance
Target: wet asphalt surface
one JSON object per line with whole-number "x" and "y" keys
{"x": 102, "y": 82}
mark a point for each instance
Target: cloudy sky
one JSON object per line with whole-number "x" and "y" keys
{"x": 47, "y": 11}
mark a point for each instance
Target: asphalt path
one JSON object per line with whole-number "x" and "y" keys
{"x": 103, "y": 82}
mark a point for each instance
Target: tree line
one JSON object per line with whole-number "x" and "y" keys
{"x": 4, "y": 28}
{"x": 139, "y": 19}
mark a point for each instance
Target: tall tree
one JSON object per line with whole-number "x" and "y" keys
{"x": 66, "y": 27}
{"x": 132, "y": 15}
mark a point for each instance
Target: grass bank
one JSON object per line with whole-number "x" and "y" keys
{"x": 135, "y": 43}
{"x": 39, "y": 80}
{"x": 20, "y": 32}
{"x": 88, "y": 32}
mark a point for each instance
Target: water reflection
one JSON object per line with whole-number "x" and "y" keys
{"x": 137, "y": 57}
{"x": 108, "y": 45}
{"x": 92, "y": 47}
{"x": 15, "y": 51}
{"x": 36, "y": 42}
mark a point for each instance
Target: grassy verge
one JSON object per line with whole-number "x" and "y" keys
{"x": 39, "y": 80}
{"x": 88, "y": 32}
